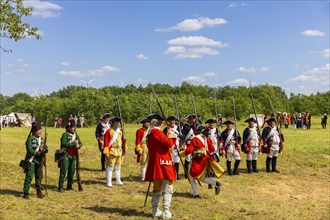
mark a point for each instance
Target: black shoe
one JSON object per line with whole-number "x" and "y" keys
{"x": 61, "y": 190}
{"x": 217, "y": 188}
{"x": 196, "y": 196}
{"x": 275, "y": 171}
{"x": 69, "y": 188}
{"x": 26, "y": 196}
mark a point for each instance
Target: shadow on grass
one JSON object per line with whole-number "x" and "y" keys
{"x": 91, "y": 169}
{"x": 120, "y": 211}
{"x": 11, "y": 192}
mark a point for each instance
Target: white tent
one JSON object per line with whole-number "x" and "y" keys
{"x": 25, "y": 119}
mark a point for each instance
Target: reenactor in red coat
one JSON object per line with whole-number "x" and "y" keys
{"x": 160, "y": 169}
{"x": 141, "y": 149}
{"x": 201, "y": 149}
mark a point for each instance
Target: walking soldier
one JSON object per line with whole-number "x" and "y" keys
{"x": 160, "y": 169}
{"x": 70, "y": 143}
{"x": 201, "y": 149}
{"x": 273, "y": 141}
{"x": 35, "y": 150}
{"x": 114, "y": 148}
{"x": 141, "y": 149}
{"x": 101, "y": 128}
{"x": 214, "y": 134}
{"x": 251, "y": 145}
{"x": 232, "y": 140}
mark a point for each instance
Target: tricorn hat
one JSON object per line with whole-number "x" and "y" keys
{"x": 115, "y": 118}
{"x": 191, "y": 116}
{"x": 271, "y": 119}
{"x": 106, "y": 115}
{"x": 228, "y": 121}
{"x": 155, "y": 116}
{"x": 200, "y": 127}
{"x": 172, "y": 118}
{"x": 35, "y": 126}
{"x": 144, "y": 121}
{"x": 251, "y": 119}
{"x": 211, "y": 120}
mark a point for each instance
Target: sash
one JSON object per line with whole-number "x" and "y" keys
{"x": 39, "y": 143}
{"x": 115, "y": 136}
{"x": 230, "y": 135}
{"x": 144, "y": 138}
{"x": 272, "y": 133}
{"x": 204, "y": 142}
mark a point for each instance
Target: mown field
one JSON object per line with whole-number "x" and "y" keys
{"x": 300, "y": 191}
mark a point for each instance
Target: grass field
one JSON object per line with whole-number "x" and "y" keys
{"x": 300, "y": 191}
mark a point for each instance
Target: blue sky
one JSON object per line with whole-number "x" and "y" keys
{"x": 213, "y": 43}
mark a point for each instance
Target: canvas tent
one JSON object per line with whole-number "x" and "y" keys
{"x": 24, "y": 119}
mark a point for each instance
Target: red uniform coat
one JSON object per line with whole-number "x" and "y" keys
{"x": 139, "y": 136}
{"x": 200, "y": 164}
{"x": 160, "y": 164}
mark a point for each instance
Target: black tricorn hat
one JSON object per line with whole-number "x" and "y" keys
{"x": 35, "y": 126}
{"x": 155, "y": 116}
{"x": 211, "y": 120}
{"x": 200, "y": 127}
{"x": 251, "y": 119}
{"x": 172, "y": 118}
{"x": 144, "y": 120}
{"x": 115, "y": 118}
{"x": 193, "y": 116}
{"x": 106, "y": 115}
{"x": 228, "y": 121}
{"x": 271, "y": 119}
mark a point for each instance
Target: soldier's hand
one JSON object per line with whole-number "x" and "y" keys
{"x": 46, "y": 150}
{"x": 139, "y": 152}
{"x": 107, "y": 155}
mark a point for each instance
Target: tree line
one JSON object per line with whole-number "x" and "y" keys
{"x": 137, "y": 101}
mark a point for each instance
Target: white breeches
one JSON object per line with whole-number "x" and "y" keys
{"x": 253, "y": 155}
{"x": 232, "y": 152}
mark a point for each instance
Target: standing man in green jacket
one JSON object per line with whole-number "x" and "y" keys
{"x": 35, "y": 150}
{"x": 70, "y": 143}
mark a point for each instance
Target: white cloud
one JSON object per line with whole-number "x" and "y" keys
{"x": 317, "y": 74}
{"x": 209, "y": 74}
{"x": 141, "y": 81}
{"x": 194, "y": 24}
{"x": 91, "y": 72}
{"x": 196, "y": 41}
{"x": 194, "y": 79}
{"x": 313, "y": 33}
{"x": 142, "y": 56}
{"x": 64, "y": 63}
{"x": 43, "y": 9}
{"x": 326, "y": 53}
{"x": 182, "y": 52}
{"x": 253, "y": 69}
{"x": 239, "y": 82}
{"x": 237, "y": 4}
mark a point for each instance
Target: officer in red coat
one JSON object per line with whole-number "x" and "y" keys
{"x": 201, "y": 149}
{"x": 160, "y": 169}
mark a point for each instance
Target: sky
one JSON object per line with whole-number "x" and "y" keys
{"x": 214, "y": 43}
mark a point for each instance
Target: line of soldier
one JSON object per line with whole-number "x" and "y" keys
{"x": 159, "y": 153}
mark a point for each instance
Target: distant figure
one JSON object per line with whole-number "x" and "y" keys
{"x": 293, "y": 120}
{"x": 55, "y": 123}
{"x": 220, "y": 120}
{"x": 59, "y": 122}
{"x": 265, "y": 119}
{"x": 308, "y": 120}
{"x": 324, "y": 121}
{"x": 82, "y": 121}
{"x": 299, "y": 121}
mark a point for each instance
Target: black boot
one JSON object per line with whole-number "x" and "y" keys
{"x": 230, "y": 172}
{"x": 274, "y": 165}
{"x": 254, "y": 166}
{"x": 248, "y": 166}
{"x": 186, "y": 166}
{"x": 268, "y": 164}
{"x": 103, "y": 161}
{"x": 60, "y": 189}
{"x": 176, "y": 165}
{"x": 236, "y": 167}
{"x": 26, "y": 196}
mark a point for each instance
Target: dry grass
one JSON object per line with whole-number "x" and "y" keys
{"x": 300, "y": 191}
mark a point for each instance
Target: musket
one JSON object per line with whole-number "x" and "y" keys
{"x": 180, "y": 135}
{"x": 279, "y": 130}
{"x": 235, "y": 120}
{"x": 156, "y": 97}
{"x": 150, "y": 105}
{"x": 78, "y": 172}
{"x": 255, "y": 115}
{"x": 43, "y": 163}
{"x": 194, "y": 106}
{"x": 215, "y": 109}
{"x": 122, "y": 127}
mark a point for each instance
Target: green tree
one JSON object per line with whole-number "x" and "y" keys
{"x": 11, "y": 26}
